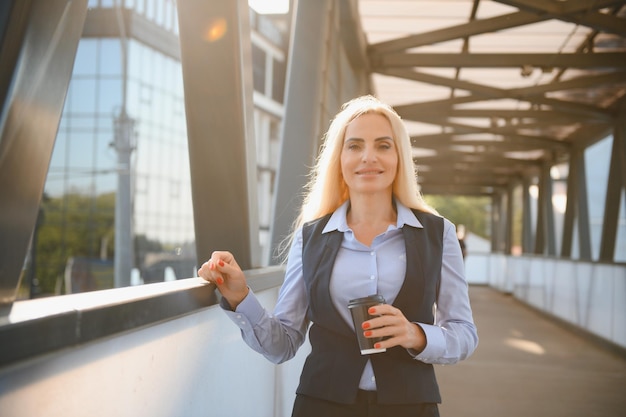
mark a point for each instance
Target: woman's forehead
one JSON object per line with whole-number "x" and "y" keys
{"x": 368, "y": 122}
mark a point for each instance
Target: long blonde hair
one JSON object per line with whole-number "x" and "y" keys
{"x": 326, "y": 190}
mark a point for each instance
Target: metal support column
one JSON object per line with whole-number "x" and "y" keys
{"x": 545, "y": 242}
{"x": 301, "y": 128}
{"x": 498, "y": 222}
{"x": 217, "y": 72}
{"x": 508, "y": 221}
{"x": 615, "y": 186}
{"x": 577, "y": 207}
{"x": 37, "y": 50}
{"x": 584, "y": 229}
{"x": 527, "y": 227}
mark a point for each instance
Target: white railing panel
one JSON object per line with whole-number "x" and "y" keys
{"x": 601, "y": 301}
{"x": 589, "y": 295}
{"x": 477, "y": 269}
{"x": 584, "y": 277}
{"x": 619, "y": 306}
{"x": 535, "y": 284}
{"x": 564, "y": 292}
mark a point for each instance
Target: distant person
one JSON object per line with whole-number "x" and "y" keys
{"x": 363, "y": 229}
{"x": 460, "y": 234}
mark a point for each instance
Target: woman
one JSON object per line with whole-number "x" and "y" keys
{"x": 363, "y": 229}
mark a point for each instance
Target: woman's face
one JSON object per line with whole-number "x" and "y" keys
{"x": 369, "y": 158}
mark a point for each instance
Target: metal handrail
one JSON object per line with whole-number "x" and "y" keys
{"x": 42, "y": 326}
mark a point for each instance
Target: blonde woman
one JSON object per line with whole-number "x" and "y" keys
{"x": 363, "y": 229}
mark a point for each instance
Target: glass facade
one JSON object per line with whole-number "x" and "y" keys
{"x": 75, "y": 238}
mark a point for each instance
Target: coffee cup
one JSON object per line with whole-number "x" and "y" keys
{"x": 359, "y": 309}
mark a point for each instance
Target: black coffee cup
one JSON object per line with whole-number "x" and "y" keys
{"x": 358, "y": 308}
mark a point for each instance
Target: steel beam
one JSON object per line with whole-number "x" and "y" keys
{"x": 584, "y": 232}
{"x": 512, "y": 60}
{"x": 586, "y": 17}
{"x": 38, "y": 48}
{"x": 527, "y": 234}
{"x": 576, "y": 208}
{"x": 217, "y": 73}
{"x": 545, "y": 242}
{"x": 476, "y": 27}
{"x": 105, "y": 23}
{"x": 301, "y": 129}
{"x": 492, "y": 24}
{"x": 615, "y": 186}
{"x": 508, "y": 235}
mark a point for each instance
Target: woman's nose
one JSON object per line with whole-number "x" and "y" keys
{"x": 368, "y": 154}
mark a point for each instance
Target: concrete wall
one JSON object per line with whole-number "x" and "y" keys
{"x": 196, "y": 365}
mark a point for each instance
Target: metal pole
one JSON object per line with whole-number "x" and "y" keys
{"x": 124, "y": 144}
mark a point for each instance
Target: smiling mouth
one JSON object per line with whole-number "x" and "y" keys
{"x": 369, "y": 172}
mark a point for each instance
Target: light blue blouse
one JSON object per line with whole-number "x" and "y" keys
{"x": 359, "y": 271}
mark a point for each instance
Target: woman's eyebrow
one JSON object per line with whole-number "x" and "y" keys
{"x": 376, "y": 139}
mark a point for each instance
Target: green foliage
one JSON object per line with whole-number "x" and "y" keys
{"x": 143, "y": 246}
{"x": 473, "y": 212}
{"x": 72, "y": 225}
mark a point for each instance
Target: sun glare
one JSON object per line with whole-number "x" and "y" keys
{"x": 269, "y": 6}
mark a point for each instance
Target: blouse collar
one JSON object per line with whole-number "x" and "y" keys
{"x": 338, "y": 220}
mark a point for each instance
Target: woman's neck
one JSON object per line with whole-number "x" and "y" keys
{"x": 372, "y": 210}
{"x": 369, "y": 217}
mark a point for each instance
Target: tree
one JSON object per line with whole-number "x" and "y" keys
{"x": 473, "y": 212}
{"x": 73, "y": 225}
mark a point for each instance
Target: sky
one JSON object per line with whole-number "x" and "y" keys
{"x": 269, "y": 6}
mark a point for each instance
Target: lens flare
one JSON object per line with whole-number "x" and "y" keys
{"x": 216, "y": 30}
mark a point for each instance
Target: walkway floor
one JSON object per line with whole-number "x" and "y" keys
{"x": 527, "y": 365}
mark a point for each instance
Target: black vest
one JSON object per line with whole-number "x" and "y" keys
{"x": 333, "y": 369}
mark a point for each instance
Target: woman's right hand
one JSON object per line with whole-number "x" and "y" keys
{"x": 225, "y": 273}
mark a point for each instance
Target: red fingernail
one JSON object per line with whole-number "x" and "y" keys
{"x": 365, "y": 325}
{"x": 377, "y": 345}
{"x": 372, "y": 310}
{"x": 219, "y": 280}
{"x": 221, "y": 262}
{"x": 211, "y": 266}
{"x": 367, "y": 333}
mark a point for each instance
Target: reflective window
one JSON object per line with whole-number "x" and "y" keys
{"x": 109, "y": 57}
{"x": 77, "y": 99}
{"x": 81, "y": 153}
{"x": 76, "y": 238}
{"x": 86, "y": 54}
{"x": 278, "y": 80}
{"x": 258, "y": 68}
{"x": 150, "y": 12}
{"x": 78, "y": 232}
{"x": 109, "y": 95}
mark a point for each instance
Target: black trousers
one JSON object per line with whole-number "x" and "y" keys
{"x": 366, "y": 406}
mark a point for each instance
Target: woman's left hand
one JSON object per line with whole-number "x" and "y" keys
{"x": 394, "y": 327}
